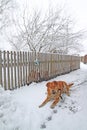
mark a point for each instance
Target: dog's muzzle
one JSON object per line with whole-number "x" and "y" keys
{"x": 53, "y": 92}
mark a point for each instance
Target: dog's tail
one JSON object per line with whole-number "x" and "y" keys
{"x": 70, "y": 84}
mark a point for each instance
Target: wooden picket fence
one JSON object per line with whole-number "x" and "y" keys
{"x": 20, "y": 68}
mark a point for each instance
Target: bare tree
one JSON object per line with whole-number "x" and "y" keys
{"x": 71, "y": 40}
{"x": 6, "y": 7}
{"x": 53, "y": 33}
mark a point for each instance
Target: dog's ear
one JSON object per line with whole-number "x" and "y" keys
{"x": 55, "y": 82}
{"x": 48, "y": 84}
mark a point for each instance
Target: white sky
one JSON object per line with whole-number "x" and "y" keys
{"x": 77, "y": 8}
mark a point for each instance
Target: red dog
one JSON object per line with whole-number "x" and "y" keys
{"x": 54, "y": 91}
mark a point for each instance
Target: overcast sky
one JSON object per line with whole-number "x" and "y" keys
{"x": 77, "y": 8}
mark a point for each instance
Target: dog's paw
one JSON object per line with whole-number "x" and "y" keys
{"x": 40, "y": 106}
{"x": 52, "y": 106}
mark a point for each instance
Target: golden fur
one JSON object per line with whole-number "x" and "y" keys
{"x": 54, "y": 91}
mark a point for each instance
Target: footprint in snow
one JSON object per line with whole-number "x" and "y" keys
{"x": 1, "y": 115}
{"x": 49, "y": 118}
{"x": 43, "y": 125}
{"x": 74, "y": 109}
{"x": 54, "y": 111}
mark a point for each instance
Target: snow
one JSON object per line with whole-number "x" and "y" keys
{"x": 19, "y": 108}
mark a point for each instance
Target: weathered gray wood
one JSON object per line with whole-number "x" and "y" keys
{"x": 8, "y": 70}
{"x": 26, "y": 70}
{"x": 1, "y": 68}
{"x": 4, "y": 70}
{"x": 12, "y": 70}
{"x": 14, "y": 64}
{"x": 18, "y": 79}
{"x": 21, "y": 72}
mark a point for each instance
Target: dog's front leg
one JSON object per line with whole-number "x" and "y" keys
{"x": 55, "y": 102}
{"x": 45, "y": 101}
{"x": 56, "y": 99}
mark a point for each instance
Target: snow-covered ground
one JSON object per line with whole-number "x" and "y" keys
{"x": 19, "y": 108}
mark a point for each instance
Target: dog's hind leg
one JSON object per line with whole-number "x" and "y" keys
{"x": 45, "y": 101}
{"x": 67, "y": 91}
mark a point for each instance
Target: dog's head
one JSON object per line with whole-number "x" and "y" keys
{"x": 51, "y": 87}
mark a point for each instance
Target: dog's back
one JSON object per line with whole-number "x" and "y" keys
{"x": 59, "y": 85}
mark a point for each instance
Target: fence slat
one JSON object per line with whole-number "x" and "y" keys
{"x": 28, "y": 69}
{"x": 4, "y": 70}
{"x": 21, "y": 69}
{"x": 18, "y": 84}
{"x": 12, "y": 70}
{"x": 15, "y": 79}
{"x": 8, "y": 69}
{"x": 0, "y": 68}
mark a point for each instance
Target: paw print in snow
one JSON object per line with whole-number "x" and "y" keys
{"x": 43, "y": 126}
